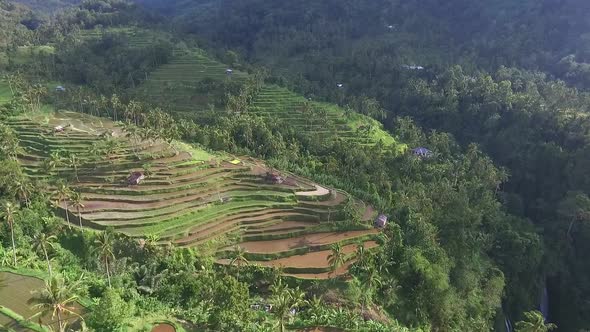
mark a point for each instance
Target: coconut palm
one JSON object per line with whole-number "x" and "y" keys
{"x": 362, "y": 255}
{"x": 336, "y": 258}
{"x": 238, "y": 257}
{"x": 10, "y": 143}
{"x": 8, "y": 212}
{"x": 104, "y": 250}
{"x": 42, "y": 242}
{"x": 284, "y": 300}
{"x": 534, "y": 322}
{"x": 22, "y": 188}
{"x": 74, "y": 163}
{"x": 62, "y": 195}
{"x": 78, "y": 204}
{"x": 57, "y": 298}
{"x": 54, "y": 160}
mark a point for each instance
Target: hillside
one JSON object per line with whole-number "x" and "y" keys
{"x": 192, "y": 82}
{"x": 220, "y": 169}
{"x": 48, "y": 6}
{"x": 485, "y": 73}
{"x": 191, "y": 198}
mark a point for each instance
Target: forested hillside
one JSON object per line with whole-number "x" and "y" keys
{"x": 265, "y": 138}
{"x": 405, "y": 55}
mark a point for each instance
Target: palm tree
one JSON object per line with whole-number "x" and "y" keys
{"x": 74, "y": 163}
{"x": 22, "y": 188}
{"x": 284, "y": 300}
{"x": 238, "y": 257}
{"x": 361, "y": 255}
{"x": 54, "y": 160}
{"x": 78, "y": 204}
{"x": 58, "y": 297}
{"x": 8, "y": 212}
{"x": 42, "y": 242}
{"x": 62, "y": 194}
{"x": 104, "y": 249}
{"x": 534, "y": 322}
{"x": 336, "y": 258}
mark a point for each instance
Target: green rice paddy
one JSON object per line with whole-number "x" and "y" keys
{"x": 191, "y": 198}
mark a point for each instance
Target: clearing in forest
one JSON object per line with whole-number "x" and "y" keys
{"x": 187, "y": 196}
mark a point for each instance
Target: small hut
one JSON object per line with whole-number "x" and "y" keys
{"x": 229, "y": 71}
{"x": 422, "y": 152}
{"x": 60, "y": 88}
{"x": 60, "y": 128}
{"x": 381, "y": 221}
{"x": 274, "y": 178}
{"x": 135, "y": 178}
{"x": 340, "y": 85}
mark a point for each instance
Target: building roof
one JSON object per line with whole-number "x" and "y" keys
{"x": 381, "y": 220}
{"x": 422, "y": 151}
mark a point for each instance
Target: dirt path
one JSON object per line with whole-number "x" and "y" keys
{"x": 319, "y": 191}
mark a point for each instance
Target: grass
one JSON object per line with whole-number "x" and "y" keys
{"x": 5, "y": 94}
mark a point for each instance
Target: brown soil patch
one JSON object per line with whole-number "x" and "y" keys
{"x": 309, "y": 240}
{"x": 317, "y": 259}
{"x": 163, "y": 328}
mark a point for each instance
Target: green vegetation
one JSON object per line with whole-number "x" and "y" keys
{"x": 258, "y": 186}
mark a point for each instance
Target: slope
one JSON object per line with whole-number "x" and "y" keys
{"x": 189, "y": 197}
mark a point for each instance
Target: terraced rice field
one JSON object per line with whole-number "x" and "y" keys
{"x": 319, "y": 119}
{"x": 192, "y": 198}
{"x": 136, "y": 37}
{"x": 176, "y": 84}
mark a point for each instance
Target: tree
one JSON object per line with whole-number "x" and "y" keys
{"x": 62, "y": 195}
{"x": 54, "y": 161}
{"x": 42, "y": 242}
{"x": 534, "y": 322}
{"x": 111, "y": 312}
{"x": 22, "y": 188}
{"x": 10, "y": 143}
{"x": 8, "y": 212}
{"x": 77, "y": 203}
{"x": 284, "y": 300}
{"x": 238, "y": 257}
{"x": 104, "y": 249}
{"x": 57, "y": 298}
{"x": 337, "y": 257}
{"x": 361, "y": 255}
{"x": 74, "y": 163}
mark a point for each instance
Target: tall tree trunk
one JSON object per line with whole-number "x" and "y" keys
{"x": 47, "y": 259}
{"x": 60, "y": 323}
{"x": 67, "y": 214}
{"x": 13, "y": 245}
{"x": 80, "y": 218}
{"x": 106, "y": 264}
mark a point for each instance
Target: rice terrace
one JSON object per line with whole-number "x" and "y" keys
{"x": 190, "y": 198}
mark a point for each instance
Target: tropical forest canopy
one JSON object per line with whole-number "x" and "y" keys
{"x": 489, "y": 222}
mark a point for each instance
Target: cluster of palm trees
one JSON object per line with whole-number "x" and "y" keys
{"x": 25, "y": 94}
{"x": 151, "y": 123}
{"x": 66, "y": 197}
